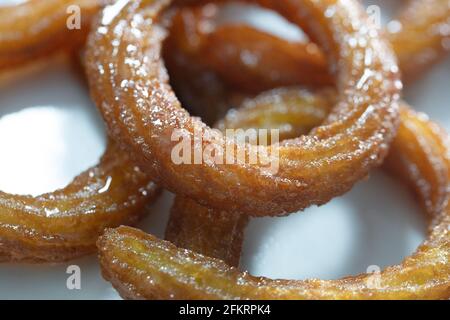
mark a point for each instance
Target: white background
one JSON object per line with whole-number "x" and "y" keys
{"x": 50, "y": 132}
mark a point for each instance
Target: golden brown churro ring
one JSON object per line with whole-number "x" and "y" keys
{"x": 289, "y": 110}
{"x": 420, "y": 35}
{"x": 279, "y": 108}
{"x": 253, "y": 60}
{"x": 65, "y": 224}
{"x": 292, "y": 111}
{"x": 130, "y": 85}
{"x": 142, "y": 266}
{"x": 235, "y": 52}
{"x": 36, "y": 28}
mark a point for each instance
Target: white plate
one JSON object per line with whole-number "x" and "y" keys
{"x": 50, "y": 131}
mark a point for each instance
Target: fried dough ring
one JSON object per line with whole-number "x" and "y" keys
{"x": 65, "y": 224}
{"x": 424, "y": 36}
{"x": 293, "y": 111}
{"x": 142, "y": 266}
{"x": 130, "y": 86}
{"x": 37, "y": 28}
{"x": 290, "y": 110}
{"x": 256, "y": 61}
{"x": 219, "y": 234}
{"x": 247, "y": 59}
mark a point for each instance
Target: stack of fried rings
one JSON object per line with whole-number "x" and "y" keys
{"x": 130, "y": 86}
{"x": 141, "y": 111}
{"x": 64, "y": 224}
{"x": 139, "y": 105}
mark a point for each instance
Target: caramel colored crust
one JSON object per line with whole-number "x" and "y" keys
{"x": 256, "y": 61}
{"x": 65, "y": 224}
{"x": 219, "y": 234}
{"x": 142, "y": 266}
{"x": 243, "y": 56}
{"x": 214, "y": 233}
{"x": 130, "y": 86}
{"x": 37, "y": 28}
{"x": 423, "y": 37}
{"x": 293, "y": 111}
